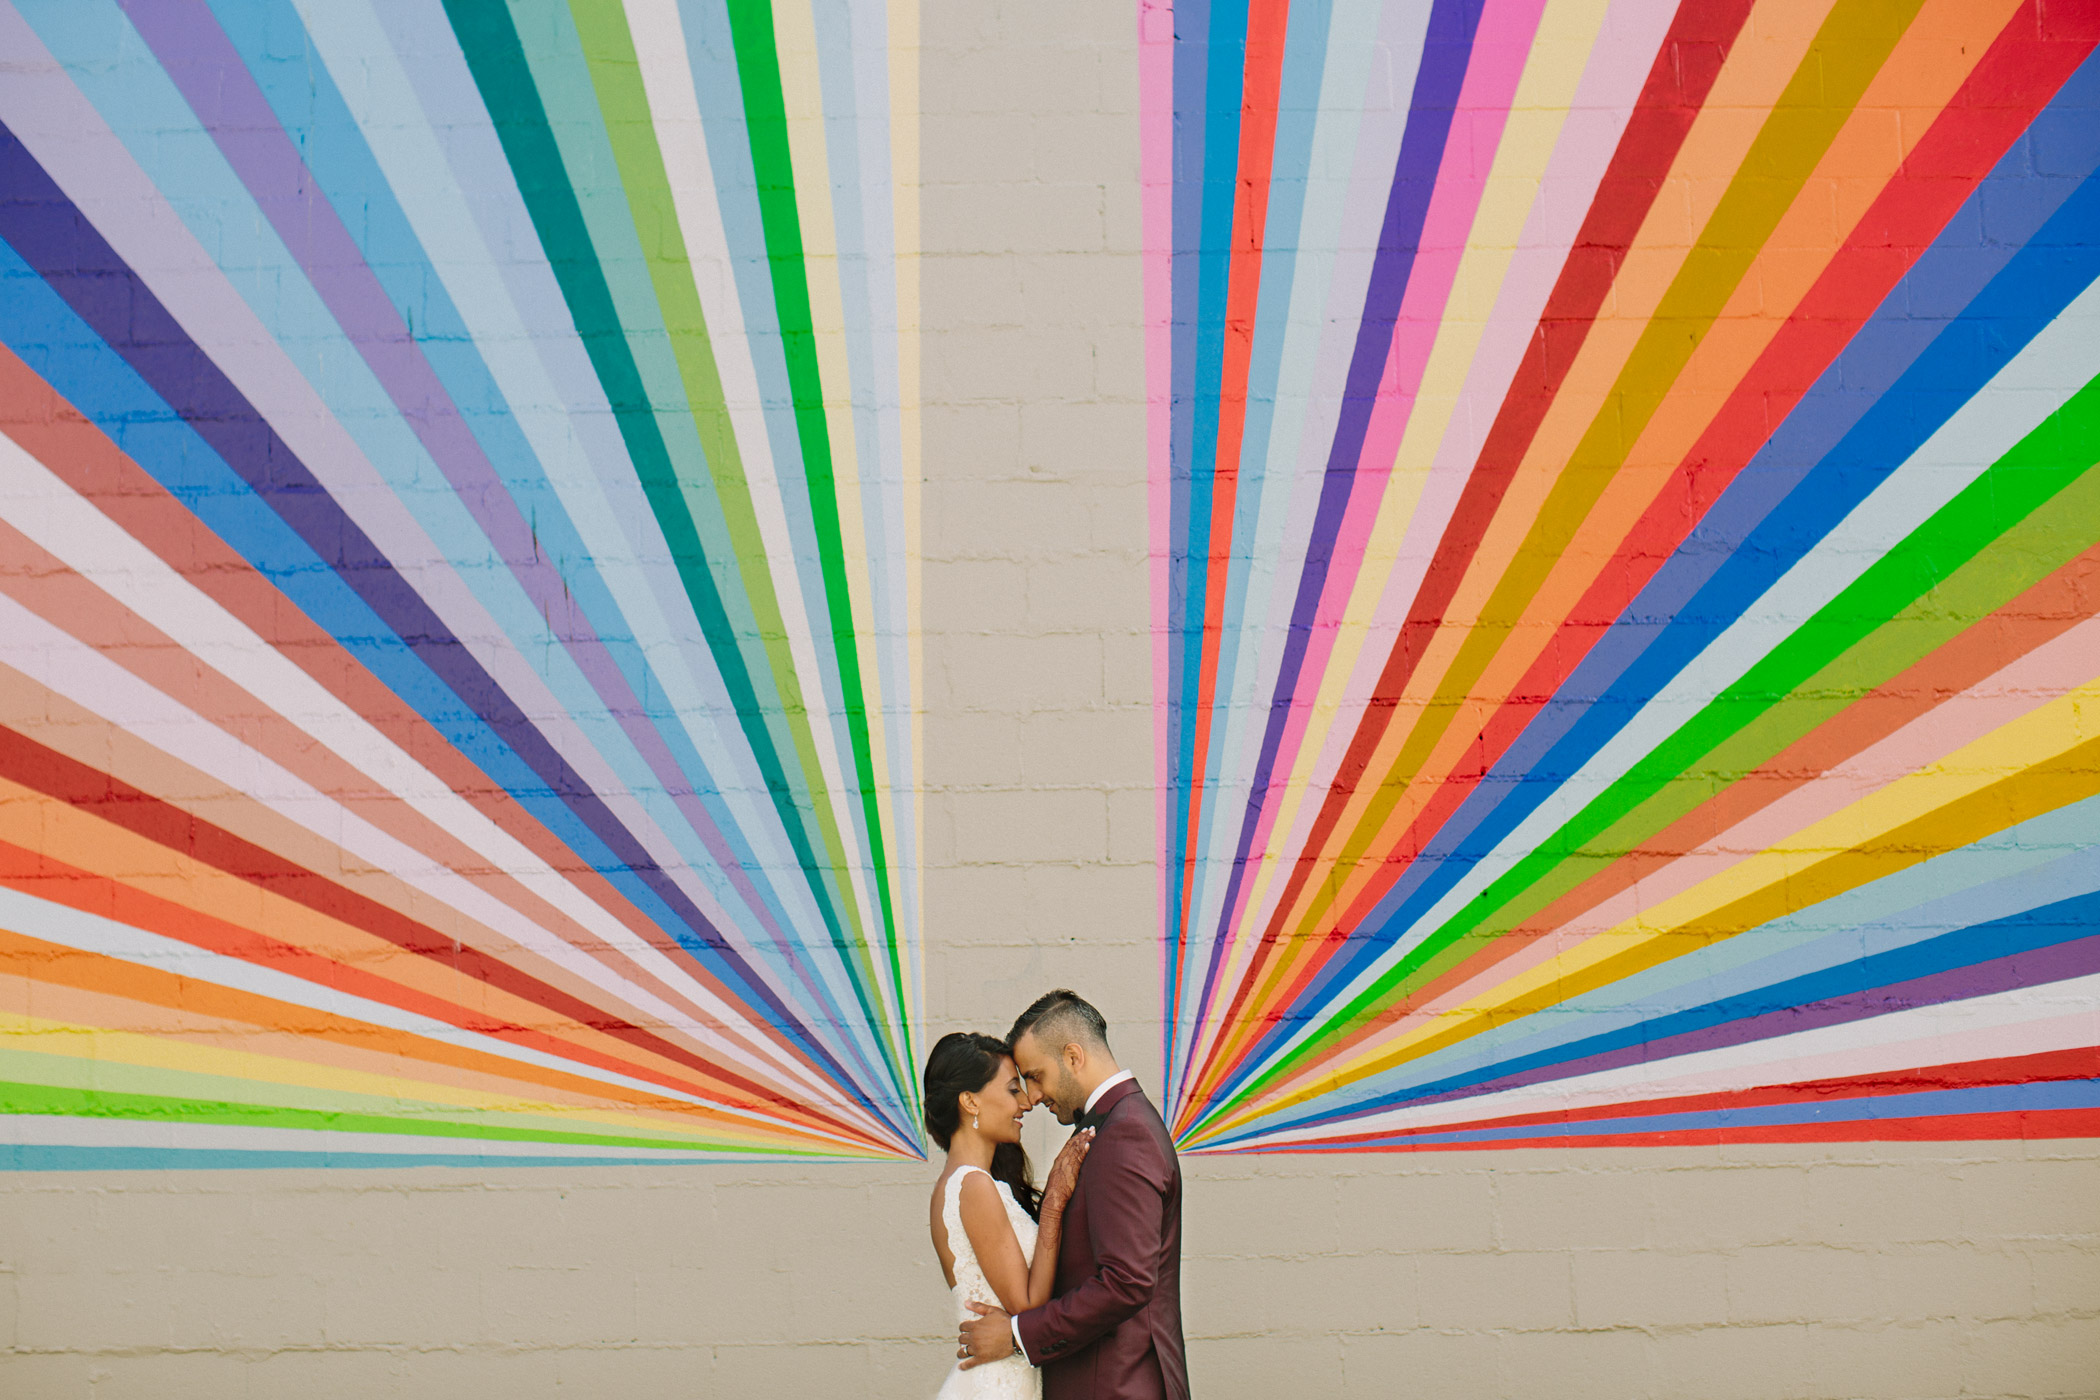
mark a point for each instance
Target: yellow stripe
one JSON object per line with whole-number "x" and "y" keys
{"x": 2046, "y": 759}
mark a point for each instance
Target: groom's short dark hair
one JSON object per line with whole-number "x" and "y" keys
{"x": 1060, "y": 1018}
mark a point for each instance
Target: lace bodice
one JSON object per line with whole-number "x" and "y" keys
{"x": 1012, "y": 1378}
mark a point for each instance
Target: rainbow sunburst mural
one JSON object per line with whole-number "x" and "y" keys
{"x": 457, "y": 516}
{"x": 1627, "y": 568}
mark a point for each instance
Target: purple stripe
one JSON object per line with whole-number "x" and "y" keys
{"x": 2028, "y": 968}
{"x": 201, "y": 61}
{"x": 61, "y": 243}
{"x": 1446, "y": 52}
{"x": 1191, "y": 76}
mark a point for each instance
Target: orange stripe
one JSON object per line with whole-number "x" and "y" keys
{"x": 54, "y": 982}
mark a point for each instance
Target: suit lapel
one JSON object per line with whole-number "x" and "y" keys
{"x": 1115, "y": 1095}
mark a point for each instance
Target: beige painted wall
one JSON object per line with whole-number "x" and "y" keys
{"x": 1914, "y": 1271}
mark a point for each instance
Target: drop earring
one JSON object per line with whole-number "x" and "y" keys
{"x": 973, "y": 1122}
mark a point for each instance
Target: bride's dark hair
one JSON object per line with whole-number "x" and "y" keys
{"x": 965, "y": 1063}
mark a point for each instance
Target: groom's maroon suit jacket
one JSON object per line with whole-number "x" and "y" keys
{"x": 1112, "y": 1331}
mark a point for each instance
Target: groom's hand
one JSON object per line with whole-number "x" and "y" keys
{"x": 990, "y": 1337}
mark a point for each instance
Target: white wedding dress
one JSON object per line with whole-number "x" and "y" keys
{"x": 1010, "y": 1378}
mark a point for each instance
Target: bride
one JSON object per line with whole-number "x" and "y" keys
{"x": 995, "y": 1235}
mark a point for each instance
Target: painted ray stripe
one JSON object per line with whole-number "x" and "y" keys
{"x": 1447, "y": 52}
{"x": 817, "y": 87}
{"x": 2013, "y": 287}
{"x": 545, "y": 110}
{"x": 131, "y": 821}
{"x": 1271, "y": 284}
{"x": 2003, "y": 876}
{"x": 2059, "y": 1097}
{"x": 1612, "y": 70}
{"x": 1872, "y": 270}
{"x": 2048, "y": 462}
{"x": 1492, "y": 84}
{"x": 1938, "y": 56}
{"x": 1770, "y": 1039}
{"x": 1791, "y": 799}
{"x": 2049, "y": 1022}
{"x": 615, "y": 78}
{"x": 1842, "y": 61}
{"x": 192, "y": 967}
{"x": 32, "y": 1142}
{"x": 284, "y": 1064}
{"x": 1466, "y": 266}
{"x": 107, "y": 555}
{"x": 1243, "y": 54}
{"x": 1326, "y": 299}
{"x": 765, "y": 120}
{"x": 1327, "y": 294}
{"x": 346, "y": 164}
{"x": 335, "y": 956}
{"x": 465, "y": 126}
{"x": 1659, "y": 120}
{"x": 668, "y": 80}
{"x": 1882, "y": 354}
{"x": 136, "y": 576}
{"x": 251, "y": 353}
{"x": 492, "y": 50}
{"x": 219, "y": 422}
{"x": 301, "y": 836}
{"x": 221, "y": 87}
{"x": 1958, "y": 800}
{"x": 619, "y": 111}
{"x": 2030, "y": 947}
{"x": 1506, "y": 30}
{"x": 443, "y": 203}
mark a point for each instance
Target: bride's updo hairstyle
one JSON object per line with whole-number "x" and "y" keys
{"x": 964, "y": 1062}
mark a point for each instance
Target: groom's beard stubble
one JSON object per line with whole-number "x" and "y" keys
{"x": 1066, "y": 1102}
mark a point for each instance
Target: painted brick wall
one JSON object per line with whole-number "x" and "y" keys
{"x": 1875, "y": 1270}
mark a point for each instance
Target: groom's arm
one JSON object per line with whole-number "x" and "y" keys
{"x": 1126, "y": 1181}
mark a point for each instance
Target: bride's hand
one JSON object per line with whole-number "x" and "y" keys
{"x": 1064, "y": 1172}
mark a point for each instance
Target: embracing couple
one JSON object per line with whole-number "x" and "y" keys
{"x": 1072, "y": 1292}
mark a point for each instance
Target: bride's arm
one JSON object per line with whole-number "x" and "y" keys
{"x": 1050, "y": 1228}
{"x": 1018, "y": 1284}
{"x": 1042, "y": 1273}
{"x": 998, "y": 1251}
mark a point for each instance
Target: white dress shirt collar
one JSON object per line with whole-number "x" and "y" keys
{"x": 1103, "y": 1087}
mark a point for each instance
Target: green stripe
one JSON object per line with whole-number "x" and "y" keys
{"x": 1986, "y": 546}
{"x": 615, "y": 76}
{"x": 497, "y": 60}
{"x": 765, "y": 118}
{"x": 1847, "y": 52}
{"x": 59, "y": 1100}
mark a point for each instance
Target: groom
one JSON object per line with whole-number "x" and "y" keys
{"x": 1113, "y": 1329}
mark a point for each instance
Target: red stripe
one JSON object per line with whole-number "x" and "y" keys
{"x": 111, "y": 799}
{"x": 1997, "y": 102}
{"x": 81, "y": 455}
{"x": 2015, "y": 1126}
{"x": 43, "y": 877}
{"x": 1683, "y": 73}
{"x": 2045, "y": 1067}
{"x": 73, "y": 449}
{"x": 2024, "y": 67}
{"x": 1267, "y": 23}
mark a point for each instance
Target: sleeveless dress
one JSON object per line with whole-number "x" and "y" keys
{"x": 1010, "y": 1378}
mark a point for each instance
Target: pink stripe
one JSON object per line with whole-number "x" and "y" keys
{"x": 1499, "y": 53}
{"x": 1782, "y": 1063}
{"x": 1603, "y": 104}
{"x": 1156, "y": 176}
{"x": 2033, "y": 681}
